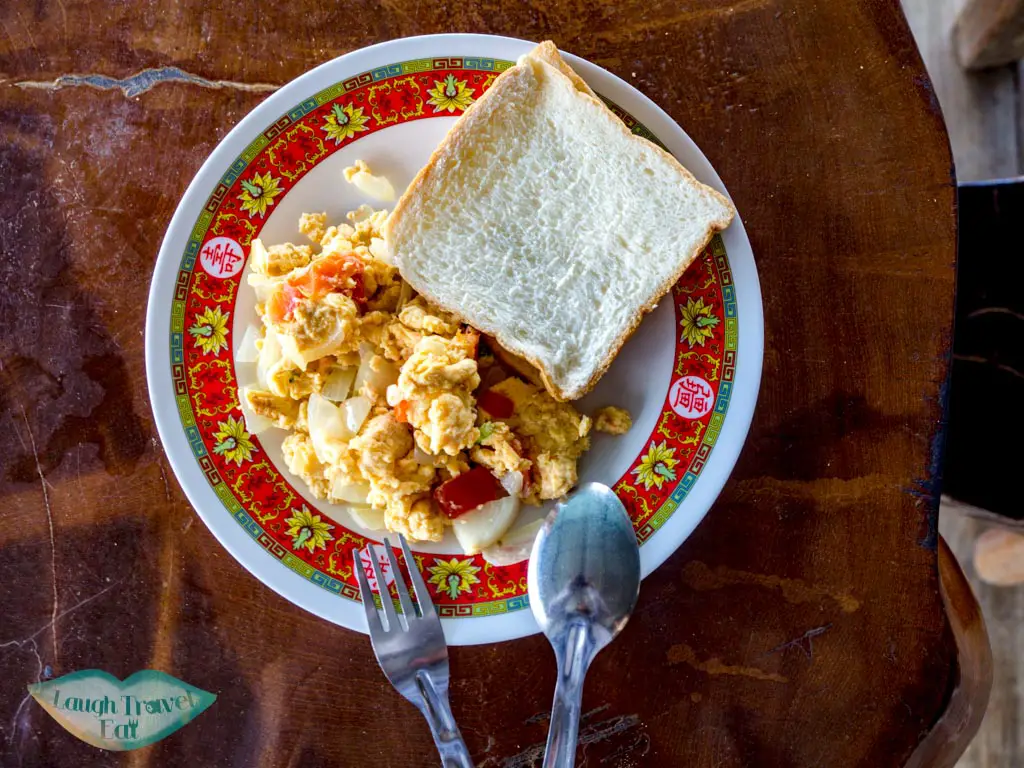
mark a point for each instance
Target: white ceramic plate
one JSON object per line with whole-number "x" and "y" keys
{"x": 689, "y": 376}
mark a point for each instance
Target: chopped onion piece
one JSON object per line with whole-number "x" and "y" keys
{"x": 352, "y": 493}
{"x": 367, "y": 517}
{"x": 270, "y": 355}
{"x": 379, "y": 380}
{"x": 515, "y": 546}
{"x": 262, "y": 285}
{"x": 512, "y": 482}
{"x": 302, "y": 357}
{"x": 327, "y": 429}
{"x": 257, "y": 256}
{"x": 254, "y": 423}
{"x": 421, "y": 456}
{"x": 377, "y": 187}
{"x": 355, "y": 411}
{"x": 379, "y": 250}
{"x": 247, "y": 350}
{"x": 338, "y": 384}
{"x": 481, "y": 527}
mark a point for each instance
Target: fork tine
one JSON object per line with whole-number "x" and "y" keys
{"x": 403, "y": 592}
{"x": 422, "y": 595}
{"x": 372, "y": 617}
{"x": 384, "y": 592}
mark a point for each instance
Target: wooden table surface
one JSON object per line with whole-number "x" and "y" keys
{"x": 800, "y": 625}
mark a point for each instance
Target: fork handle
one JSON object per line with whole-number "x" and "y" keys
{"x": 447, "y": 738}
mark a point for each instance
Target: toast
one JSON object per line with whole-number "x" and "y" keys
{"x": 542, "y": 221}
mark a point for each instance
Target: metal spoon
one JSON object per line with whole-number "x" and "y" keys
{"x": 584, "y": 577}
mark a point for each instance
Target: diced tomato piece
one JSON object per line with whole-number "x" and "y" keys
{"x": 358, "y": 292}
{"x": 496, "y": 404}
{"x": 465, "y": 492}
{"x": 402, "y": 411}
{"x": 337, "y": 272}
{"x": 282, "y": 303}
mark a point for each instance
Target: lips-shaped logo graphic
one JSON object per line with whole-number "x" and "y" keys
{"x": 121, "y": 715}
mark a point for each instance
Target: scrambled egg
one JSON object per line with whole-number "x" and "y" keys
{"x": 613, "y": 420}
{"x": 302, "y": 461}
{"x": 403, "y": 377}
{"x": 281, "y": 411}
{"x": 279, "y": 260}
{"x": 499, "y": 450}
{"x": 435, "y": 393}
{"x": 554, "y": 435}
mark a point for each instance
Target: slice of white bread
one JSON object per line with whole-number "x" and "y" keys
{"x": 542, "y": 221}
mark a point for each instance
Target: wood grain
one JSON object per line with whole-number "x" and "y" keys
{"x": 839, "y": 165}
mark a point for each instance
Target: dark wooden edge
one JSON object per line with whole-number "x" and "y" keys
{"x": 949, "y": 737}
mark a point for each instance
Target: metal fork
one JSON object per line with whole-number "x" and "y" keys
{"x": 415, "y": 657}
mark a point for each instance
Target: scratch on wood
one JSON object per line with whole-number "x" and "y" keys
{"x": 21, "y": 705}
{"x": 167, "y": 486}
{"x": 700, "y": 577}
{"x": 43, "y": 670}
{"x": 804, "y": 642}
{"x": 31, "y": 638}
{"x": 595, "y": 711}
{"x": 639, "y": 747}
{"x": 684, "y": 654}
{"x": 141, "y": 82}
{"x": 589, "y": 734}
{"x": 49, "y": 522}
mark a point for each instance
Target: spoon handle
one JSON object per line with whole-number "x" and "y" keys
{"x": 574, "y": 657}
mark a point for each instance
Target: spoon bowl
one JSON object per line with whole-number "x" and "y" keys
{"x": 584, "y": 578}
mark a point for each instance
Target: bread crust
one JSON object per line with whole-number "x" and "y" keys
{"x": 519, "y": 365}
{"x": 548, "y": 53}
{"x": 546, "y": 57}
